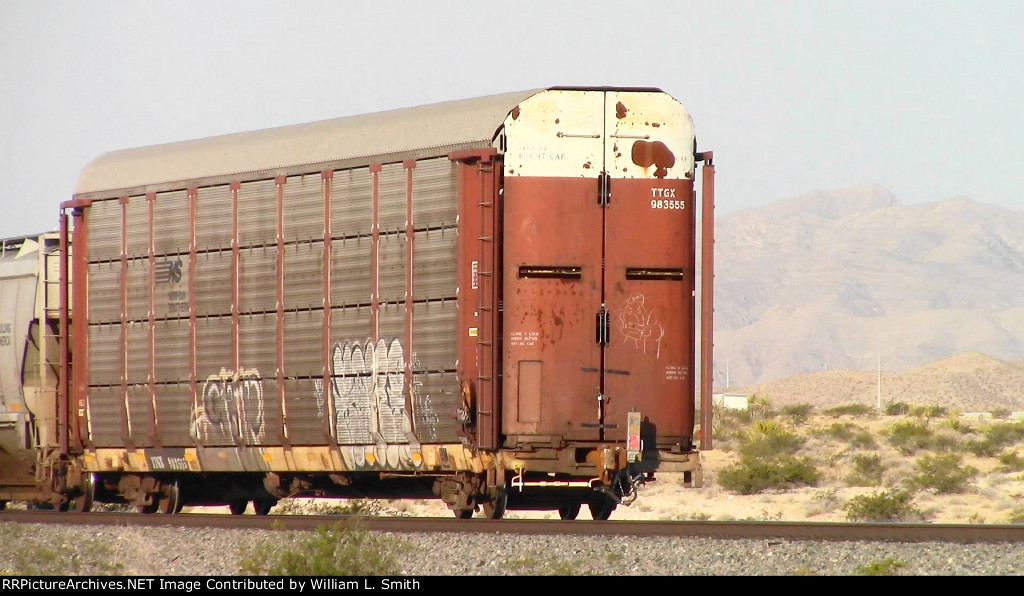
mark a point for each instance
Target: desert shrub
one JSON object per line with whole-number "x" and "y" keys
{"x": 928, "y": 411}
{"x": 867, "y": 470}
{"x": 897, "y": 408}
{"x": 1012, "y": 462}
{"x": 1005, "y": 434}
{"x": 1016, "y": 516}
{"x": 852, "y": 435}
{"x": 945, "y": 442}
{"x": 908, "y": 436}
{"x": 943, "y": 473}
{"x": 342, "y": 549}
{"x": 885, "y": 506}
{"x": 797, "y": 413}
{"x": 760, "y": 407}
{"x": 887, "y": 566}
{"x": 752, "y": 475}
{"x": 768, "y": 438}
{"x": 1000, "y": 413}
{"x": 996, "y": 438}
{"x": 958, "y": 425}
{"x": 850, "y": 410}
{"x": 823, "y": 501}
{"x": 725, "y": 422}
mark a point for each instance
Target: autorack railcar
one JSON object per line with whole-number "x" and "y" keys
{"x": 489, "y": 301}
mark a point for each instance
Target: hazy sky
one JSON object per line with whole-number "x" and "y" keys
{"x": 924, "y": 98}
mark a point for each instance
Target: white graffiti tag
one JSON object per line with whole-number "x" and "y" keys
{"x": 367, "y": 389}
{"x": 639, "y": 325}
{"x": 230, "y": 411}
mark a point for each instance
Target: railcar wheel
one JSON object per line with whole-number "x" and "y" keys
{"x": 495, "y": 508}
{"x": 263, "y": 506}
{"x": 602, "y": 508}
{"x": 171, "y": 502}
{"x": 464, "y": 513}
{"x": 569, "y": 511}
{"x": 238, "y": 507}
{"x": 83, "y": 502}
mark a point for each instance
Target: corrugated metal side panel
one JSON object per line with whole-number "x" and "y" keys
{"x": 139, "y": 415}
{"x": 302, "y": 338}
{"x": 213, "y": 345}
{"x": 257, "y": 343}
{"x": 303, "y": 207}
{"x": 105, "y": 405}
{"x": 304, "y": 276}
{"x": 104, "y": 219}
{"x": 213, "y": 283}
{"x": 104, "y": 292}
{"x": 138, "y": 352}
{"x": 434, "y": 187}
{"x": 172, "y": 351}
{"x": 104, "y": 355}
{"x": 350, "y": 324}
{"x": 137, "y": 214}
{"x": 435, "y": 273}
{"x": 213, "y": 217}
{"x": 351, "y": 202}
{"x": 170, "y": 222}
{"x": 258, "y": 280}
{"x": 433, "y": 331}
{"x": 173, "y": 413}
{"x": 350, "y": 275}
{"x": 435, "y": 398}
{"x": 391, "y": 253}
{"x": 257, "y": 212}
{"x": 306, "y": 411}
{"x": 138, "y": 290}
{"x": 391, "y": 321}
{"x": 391, "y": 198}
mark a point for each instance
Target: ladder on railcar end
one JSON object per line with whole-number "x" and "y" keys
{"x": 488, "y": 341}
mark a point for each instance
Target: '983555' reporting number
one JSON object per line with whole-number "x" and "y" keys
{"x": 667, "y": 204}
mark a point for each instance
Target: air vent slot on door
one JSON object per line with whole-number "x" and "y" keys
{"x": 654, "y": 273}
{"x": 551, "y": 271}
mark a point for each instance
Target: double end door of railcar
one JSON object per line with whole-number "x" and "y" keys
{"x": 598, "y": 267}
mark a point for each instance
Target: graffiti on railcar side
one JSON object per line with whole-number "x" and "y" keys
{"x": 640, "y": 327}
{"x": 367, "y": 390}
{"x": 230, "y": 409}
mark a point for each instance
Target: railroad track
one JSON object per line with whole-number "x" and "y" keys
{"x": 897, "y": 532}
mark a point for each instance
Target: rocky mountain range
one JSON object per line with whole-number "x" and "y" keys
{"x": 852, "y": 279}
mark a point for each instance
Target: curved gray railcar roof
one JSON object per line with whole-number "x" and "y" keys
{"x": 407, "y": 133}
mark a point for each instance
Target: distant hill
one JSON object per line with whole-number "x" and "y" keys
{"x": 970, "y": 382}
{"x": 851, "y": 279}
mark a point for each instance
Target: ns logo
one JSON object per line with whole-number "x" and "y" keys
{"x": 168, "y": 271}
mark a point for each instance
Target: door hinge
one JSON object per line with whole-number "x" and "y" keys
{"x": 604, "y": 189}
{"x": 603, "y": 332}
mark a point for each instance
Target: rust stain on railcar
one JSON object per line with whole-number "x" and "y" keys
{"x": 653, "y": 153}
